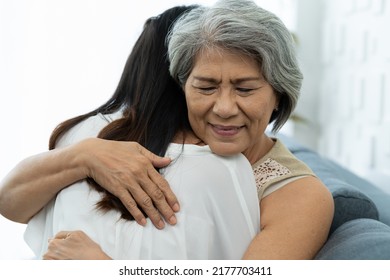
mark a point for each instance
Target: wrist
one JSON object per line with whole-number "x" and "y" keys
{"x": 81, "y": 154}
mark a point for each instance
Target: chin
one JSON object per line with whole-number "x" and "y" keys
{"x": 224, "y": 149}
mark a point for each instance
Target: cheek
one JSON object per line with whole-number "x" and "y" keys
{"x": 191, "y": 107}
{"x": 253, "y": 108}
{"x": 259, "y": 113}
{"x": 197, "y": 106}
{"x": 193, "y": 115}
{"x": 196, "y": 115}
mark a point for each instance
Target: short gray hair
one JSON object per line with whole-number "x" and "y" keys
{"x": 244, "y": 27}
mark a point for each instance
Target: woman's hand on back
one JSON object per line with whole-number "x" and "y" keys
{"x": 74, "y": 245}
{"x": 127, "y": 170}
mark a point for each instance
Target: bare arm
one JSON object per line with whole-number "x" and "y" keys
{"x": 125, "y": 169}
{"x": 36, "y": 180}
{"x": 295, "y": 222}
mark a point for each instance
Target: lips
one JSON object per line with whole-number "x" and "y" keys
{"x": 223, "y": 130}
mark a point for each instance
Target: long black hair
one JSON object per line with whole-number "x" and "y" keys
{"x": 153, "y": 104}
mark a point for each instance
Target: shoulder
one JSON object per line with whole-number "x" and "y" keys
{"x": 278, "y": 166}
{"x": 90, "y": 127}
{"x": 204, "y": 158}
{"x": 207, "y": 168}
{"x": 307, "y": 198}
{"x": 280, "y": 156}
{"x": 304, "y": 209}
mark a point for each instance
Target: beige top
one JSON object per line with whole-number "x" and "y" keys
{"x": 278, "y": 168}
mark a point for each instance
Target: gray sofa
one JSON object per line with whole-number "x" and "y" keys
{"x": 361, "y": 224}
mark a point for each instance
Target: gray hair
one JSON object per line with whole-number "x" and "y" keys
{"x": 243, "y": 27}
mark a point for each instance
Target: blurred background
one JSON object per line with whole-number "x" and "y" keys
{"x": 61, "y": 58}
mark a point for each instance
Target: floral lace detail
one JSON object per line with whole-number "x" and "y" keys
{"x": 267, "y": 171}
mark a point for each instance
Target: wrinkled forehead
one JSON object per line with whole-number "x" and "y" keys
{"x": 211, "y": 55}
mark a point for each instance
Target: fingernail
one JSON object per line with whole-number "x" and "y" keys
{"x": 161, "y": 224}
{"x": 173, "y": 220}
{"x": 176, "y": 207}
{"x": 143, "y": 222}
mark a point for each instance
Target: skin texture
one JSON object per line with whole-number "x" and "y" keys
{"x": 230, "y": 104}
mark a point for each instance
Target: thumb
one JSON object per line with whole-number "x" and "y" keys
{"x": 62, "y": 235}
{"x": 156, "y": 160}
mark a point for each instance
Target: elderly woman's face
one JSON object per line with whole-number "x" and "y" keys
{"x": 229, "y": 102}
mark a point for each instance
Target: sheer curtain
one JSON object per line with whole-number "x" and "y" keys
{"x": 59, "y": 59}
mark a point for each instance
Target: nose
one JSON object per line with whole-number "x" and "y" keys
{"x": 225, "y": 105}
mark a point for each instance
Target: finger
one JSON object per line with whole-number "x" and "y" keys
{"x": 126, "y": 198}
{"x": 158, "y": 189}
{"x": 48, "y": 256}
{"x": 154, "y": 205}
{"x": 146, "y": 204}
{"x": 160, "y": 202}
{"x": 53, "y": 255}
{"x": 164, "y": 187}
{"x": 52, "y": 252}
{"x": 62, "y": 234}
{"x": 156, "y": 160}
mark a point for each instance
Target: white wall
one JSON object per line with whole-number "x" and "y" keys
{"x": 308, "y": 31}
{"x": 355, "y": 87}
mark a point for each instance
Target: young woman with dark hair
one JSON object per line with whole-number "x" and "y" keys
{"x": 150, "y": 102}
{"x": 147, "y": 104}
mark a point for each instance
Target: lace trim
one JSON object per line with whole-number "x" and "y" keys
{"x": 267, "y": 171}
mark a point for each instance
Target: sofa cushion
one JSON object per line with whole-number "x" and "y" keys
{"x": 359, "y": 239}
{"x": 349, "y": 203}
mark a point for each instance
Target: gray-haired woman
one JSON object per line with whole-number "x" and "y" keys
{"x": 237, "y": 66}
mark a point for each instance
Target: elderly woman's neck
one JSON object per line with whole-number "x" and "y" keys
{"x": 260, "y": 149}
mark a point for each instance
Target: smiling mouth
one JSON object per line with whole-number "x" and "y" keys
{"x": 226, "y": 130}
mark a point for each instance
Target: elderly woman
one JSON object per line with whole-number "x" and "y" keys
{"x": 236, "y": 64}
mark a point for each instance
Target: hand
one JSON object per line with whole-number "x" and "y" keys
{"x": 73, "y": 245}
{"x": 127, "y": 170}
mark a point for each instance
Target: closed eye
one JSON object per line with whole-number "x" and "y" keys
{"x": 206, "y": 90}
{"x": 245, "y": 91}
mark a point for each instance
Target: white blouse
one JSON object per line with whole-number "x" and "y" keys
{"x": 219, "y": 213}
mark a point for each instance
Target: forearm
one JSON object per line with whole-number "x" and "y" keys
{"x": 123, "y": 168}
{"x": 32, "y": 183}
